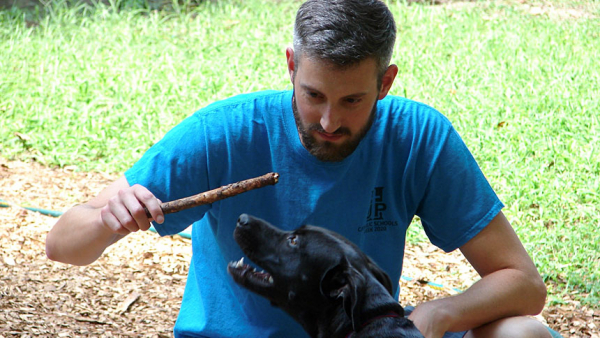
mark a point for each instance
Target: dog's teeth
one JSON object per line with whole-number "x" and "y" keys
{"x": 240, "y": 263}
{"x": 270, "y": 280}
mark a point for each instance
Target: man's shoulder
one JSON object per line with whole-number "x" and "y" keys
{"x": 409, "y": 106}
{"x": 409, "y": 113}
{"x": 263, "y": 95}
{"x": 256, "y": 99}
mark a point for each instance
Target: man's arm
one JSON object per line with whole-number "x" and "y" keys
{"x": 83, "y": 233}
{"x": 510, "y": 285}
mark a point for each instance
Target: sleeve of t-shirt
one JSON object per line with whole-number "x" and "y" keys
{"x": 458, "y": 201}
{"x": 174, "y": 168}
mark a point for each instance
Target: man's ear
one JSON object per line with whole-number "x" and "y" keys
{"x": 388, "y": 79}
{"x": 289, "y": 55}
{"x": 346, "y": 283}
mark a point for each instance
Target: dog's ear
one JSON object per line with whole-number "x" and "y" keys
{"x": 345, "y": 282}
{"x": 381, "y": 276}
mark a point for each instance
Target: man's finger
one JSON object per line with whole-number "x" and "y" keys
{"x": 151, "y": 203}
{"x": 111, "y": 222}
{"x": 119, "y": 207}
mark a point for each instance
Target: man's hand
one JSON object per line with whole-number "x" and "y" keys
{"x": 430, "y": 319}
{"x": 124, "y": 213}
{"x": 83, "y": 233}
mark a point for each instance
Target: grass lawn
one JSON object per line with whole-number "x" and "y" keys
{"x": 521, "y": 83}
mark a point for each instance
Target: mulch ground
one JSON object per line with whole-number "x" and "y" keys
{"x": 135, "y": 288}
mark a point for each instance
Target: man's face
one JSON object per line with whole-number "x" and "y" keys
{"x": 334, "y": 108}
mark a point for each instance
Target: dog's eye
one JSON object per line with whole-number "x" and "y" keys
{"x": 293, "y": 240}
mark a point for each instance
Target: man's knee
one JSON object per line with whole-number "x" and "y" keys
{"x": 514, "y": 327}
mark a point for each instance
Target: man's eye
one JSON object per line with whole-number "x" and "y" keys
{"x": 352, "y": 100}
{"x": 293, "y": 240}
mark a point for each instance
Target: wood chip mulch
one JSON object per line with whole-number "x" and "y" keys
{"x": 135, "y": 288}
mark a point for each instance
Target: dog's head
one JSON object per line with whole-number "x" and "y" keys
{"x": 307, "y": 272}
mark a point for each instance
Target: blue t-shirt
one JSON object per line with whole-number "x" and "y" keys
{"x": 411, "y": 162}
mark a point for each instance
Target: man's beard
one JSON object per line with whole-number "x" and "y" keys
{"x": 325, "y": 150}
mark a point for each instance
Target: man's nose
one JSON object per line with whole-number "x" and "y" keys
{"x": 331, "y": 120}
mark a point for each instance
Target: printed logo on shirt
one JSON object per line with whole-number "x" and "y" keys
{"x": 375, "y": 219}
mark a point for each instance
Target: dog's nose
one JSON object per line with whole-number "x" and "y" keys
{"x": 243, "y": 220}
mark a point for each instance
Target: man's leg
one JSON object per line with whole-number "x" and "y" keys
{"x": 513, "y": 327}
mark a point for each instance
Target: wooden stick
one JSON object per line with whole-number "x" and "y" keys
{"x": 218, "y": 194}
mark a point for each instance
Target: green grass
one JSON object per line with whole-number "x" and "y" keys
{"x": 524, "y": 92}
{"x": 96, "y": 88}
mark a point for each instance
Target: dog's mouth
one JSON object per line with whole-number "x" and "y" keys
{"x": 247, "y": 276}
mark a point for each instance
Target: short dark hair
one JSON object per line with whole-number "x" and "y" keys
{"x": 345, "y": 32}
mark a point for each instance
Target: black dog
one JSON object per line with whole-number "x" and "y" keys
{"x": 325, "y": 282}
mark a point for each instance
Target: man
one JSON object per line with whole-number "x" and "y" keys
{"x": 350, "y": 158}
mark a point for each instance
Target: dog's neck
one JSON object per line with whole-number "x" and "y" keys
{"x": 378, "y": 304}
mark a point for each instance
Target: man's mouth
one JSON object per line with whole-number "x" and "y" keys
{"x": 247, "y": 275}
{"x": 329, "y": 137}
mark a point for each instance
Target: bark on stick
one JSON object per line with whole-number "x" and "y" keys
{"x": 218, "y": 194}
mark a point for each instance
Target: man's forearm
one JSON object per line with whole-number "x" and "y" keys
{"x": 504, "y": 293}
{"x": 78, "y": 238}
